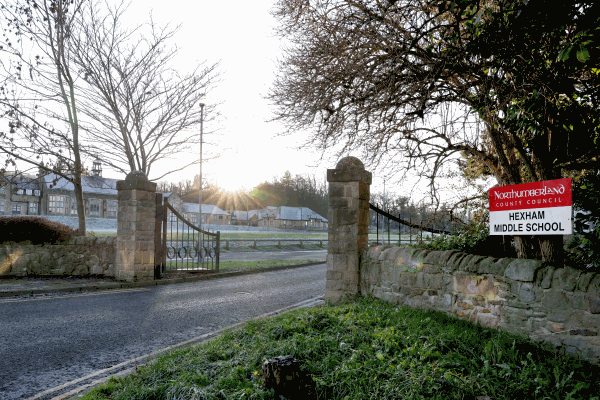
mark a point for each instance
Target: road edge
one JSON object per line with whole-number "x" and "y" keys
{"x": 79, "y": 391}
{"x": 158, "y": 282}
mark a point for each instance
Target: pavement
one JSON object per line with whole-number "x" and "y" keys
{"x": 47, "y": 286}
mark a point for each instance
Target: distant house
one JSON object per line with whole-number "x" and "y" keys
{"x": 211, "y": 214}
{"x": 249, "y": 218}
{"x": 282, "y": 217}
{"x": 99, "y": 196}
{"x": 20, "y": 196}
{"x": 52, "y": 194}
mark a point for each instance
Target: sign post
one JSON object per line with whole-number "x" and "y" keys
{"x": 538, "y": 208}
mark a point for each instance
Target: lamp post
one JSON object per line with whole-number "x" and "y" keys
{"x": 200, "y": 183}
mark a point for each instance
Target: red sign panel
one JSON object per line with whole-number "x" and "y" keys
{"x": 544, "y": 194}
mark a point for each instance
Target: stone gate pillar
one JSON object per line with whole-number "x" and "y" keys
{"x": 348, "y": 215}
{"x": 135, "y": 228}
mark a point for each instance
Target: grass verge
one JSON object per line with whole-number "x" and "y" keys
{"x": 248, "y": 265}
{"x": 236, "y": 235}
{"x": 360, "y": 350}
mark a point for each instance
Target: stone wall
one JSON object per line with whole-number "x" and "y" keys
{"x": 80, "y": 256}
{"x": 560, "y": 306}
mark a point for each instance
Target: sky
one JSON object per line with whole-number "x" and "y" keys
{"x": 239, "y": 35}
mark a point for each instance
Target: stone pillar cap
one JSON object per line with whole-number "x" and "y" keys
{"x": 136, "y": 180}
{"x": 136, "y": 176}
{"x": 350, "y": 162}
{"x": 349, "y": 169}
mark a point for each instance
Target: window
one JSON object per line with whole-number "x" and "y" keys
{"x": 36, "y": 192}
{"x": 172, "y": 217}
{"x": 95, "y": 207}
{"x": 193, "y": 218}
{"x": 29, "y": 192}
{"x": 56, "y": 204}
{"x": 20, "y": 191}
{"x": 33, "y": 208}
{"x": 271, "y": 222}
{"x": 73, "y": 206}
{"x": 2, "y": 204}
{"x": 16, "y": 209}
{"x": 284, "y": 222}
{"x": 112, "y": 208}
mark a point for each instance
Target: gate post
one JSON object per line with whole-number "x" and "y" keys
{"x": 348, "y": 230}
{"x": 135, "y": 228}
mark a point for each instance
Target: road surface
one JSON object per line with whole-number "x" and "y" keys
{"x": 45, "y": 342}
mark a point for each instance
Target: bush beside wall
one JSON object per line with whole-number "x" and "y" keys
{"x": 80, "y": 256}
{"x": 560, "y": 306}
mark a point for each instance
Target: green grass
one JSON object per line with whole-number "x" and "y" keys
{"x": 366, "y": 349}
{"x": 248, "y": 265}
{"x": 275, "y": 235}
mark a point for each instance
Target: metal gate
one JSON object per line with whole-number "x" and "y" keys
{"x": 181, "y": 246}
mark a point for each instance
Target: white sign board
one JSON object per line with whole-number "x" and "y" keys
{"x": 539, "y": 208}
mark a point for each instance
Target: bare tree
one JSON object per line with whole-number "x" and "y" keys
{"x": 415, "y": 80}
{"x": 38, "y": 90}
{"x": 140, "y": 109}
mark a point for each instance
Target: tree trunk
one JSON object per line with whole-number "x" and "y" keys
{"x": 552, "y": 249}
{"x": 79, "y": 199}
{"x": 527, "y": 247}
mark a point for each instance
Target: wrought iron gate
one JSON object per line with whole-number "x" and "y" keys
{"x": 179, "y": 245}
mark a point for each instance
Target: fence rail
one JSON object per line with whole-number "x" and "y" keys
{"x": 272, "y": 241}
{"x": 419, "y": 227}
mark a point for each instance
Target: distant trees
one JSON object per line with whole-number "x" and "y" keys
{"x": 39, "y": 97}
{"x": 294, "y": 191}
{"x": 289, "y": 190}
{"x": 140, "y": 109}
{"x": 510, "y": 85}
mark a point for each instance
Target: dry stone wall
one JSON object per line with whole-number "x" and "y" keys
{"x": 560, "y": 306}
{"x": 81, "y": 256}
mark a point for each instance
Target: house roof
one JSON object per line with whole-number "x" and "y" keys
{"x": 24, "y": 182}
{"x": 298, "y": 214}
{"x": 206, "y": 209}
{"x": 290, "y": 213}
{"x": 244, "y": 215}
{"x": 90, "y": 184}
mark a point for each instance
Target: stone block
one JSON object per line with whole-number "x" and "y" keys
{"x": 522, "y": 270}
{"x": 526, "y": 293}
{"x": 595, "y": 305}
{"x": 469, "y": 263}
{"x": 454, "y": 261}
{"x": 433, "y": 258}
{"x": 446, "y": 256}
{"x": 408, "y": 279}
{"x": 483, "y": 267}
{"x": 544, "y": 277}
{"x": 499, "y": 267}
{"x": 392, "y": 254}
{"x": 565, "y": 279}
{"x": 555, "y": 300}
{"x": 584, "y": 281}
{"x": 578, "y": 300}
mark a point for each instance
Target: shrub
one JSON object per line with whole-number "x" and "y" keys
{"x": 33, "y": 230}
{"x": 474, "y": 238}
{"x": 583, "y": 250}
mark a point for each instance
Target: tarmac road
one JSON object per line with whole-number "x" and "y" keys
{"x": 45, "y": 342}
